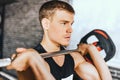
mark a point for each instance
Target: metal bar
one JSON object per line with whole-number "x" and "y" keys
{"x": 57, "y": 53}
{"x": 7, "y": 61}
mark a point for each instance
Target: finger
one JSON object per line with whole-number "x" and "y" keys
{"x": 19, "y": 50}
{"x": 13, "y": 56}
{"x": 9, "y": 67}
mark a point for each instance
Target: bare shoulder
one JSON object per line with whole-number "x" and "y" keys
{"x": 78, "y": 58}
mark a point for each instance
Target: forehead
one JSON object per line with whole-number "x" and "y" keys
{"x": 63, "y": 15}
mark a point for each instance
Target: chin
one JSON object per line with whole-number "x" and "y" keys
{"x": 65, "y": 44}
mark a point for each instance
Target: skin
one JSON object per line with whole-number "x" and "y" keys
{"x": 57, "y": 31}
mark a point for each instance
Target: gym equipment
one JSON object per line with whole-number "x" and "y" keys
{"x": 104, "y": 42}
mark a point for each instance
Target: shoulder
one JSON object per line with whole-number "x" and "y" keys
{"x": 78, "y": 58}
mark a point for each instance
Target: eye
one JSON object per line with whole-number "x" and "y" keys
{"x": 63, "y": 23}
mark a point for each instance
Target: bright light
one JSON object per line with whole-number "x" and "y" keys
{"x": 97, "y": 14}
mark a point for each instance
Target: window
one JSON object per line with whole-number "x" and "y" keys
{"x": 97, "y": 14}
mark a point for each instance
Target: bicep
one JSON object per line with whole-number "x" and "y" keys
{"x": 87, "y": 71}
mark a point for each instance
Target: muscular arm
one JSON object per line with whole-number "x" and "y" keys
{"x": 99, "y": 63}
{"x": 29, "y": 62}
{"x": 40, "y": 69}
{"x": 87, "y": 71}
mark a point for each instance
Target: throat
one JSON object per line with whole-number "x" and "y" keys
{"x": 59, "y": 60}
{"x": 50, "y": 47}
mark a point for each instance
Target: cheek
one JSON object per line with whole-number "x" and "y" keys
{"x": 55, "y": 31}
{"x": 56, "y": 36}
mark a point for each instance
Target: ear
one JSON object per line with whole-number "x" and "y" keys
{"x": 45, "y": 23}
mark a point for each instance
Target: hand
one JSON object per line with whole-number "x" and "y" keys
{"x": 21, "y": 59}
{"x": 82, "y": 48}
{"x": 85, "y": 48}
{"x": 18, "y": 52}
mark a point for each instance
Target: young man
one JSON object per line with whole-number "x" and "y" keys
{"x": 56, "y": 19}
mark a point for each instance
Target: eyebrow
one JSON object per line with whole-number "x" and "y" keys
{"x": 66, "y": 21}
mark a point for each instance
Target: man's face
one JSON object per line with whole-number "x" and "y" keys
{"x": 60, "y": 28}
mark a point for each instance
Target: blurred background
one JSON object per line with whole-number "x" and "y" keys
{"x": 19, "y": 26}
{"x": 98, "y": 14}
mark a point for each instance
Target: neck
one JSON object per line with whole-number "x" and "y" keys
{"x": 49, "y": 46}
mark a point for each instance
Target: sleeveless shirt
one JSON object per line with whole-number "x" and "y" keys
{"x": 64, "y": 72}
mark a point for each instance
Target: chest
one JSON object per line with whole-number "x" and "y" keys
{"x": 62, "y": 67}
{"x": 59, "y": 60}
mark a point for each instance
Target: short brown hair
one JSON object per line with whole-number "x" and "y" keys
{"x": 48, "y": 9}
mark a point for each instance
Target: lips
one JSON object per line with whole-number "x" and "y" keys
{"x": 67, "y": 38}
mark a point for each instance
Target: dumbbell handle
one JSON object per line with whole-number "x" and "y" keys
{"x": 7, "y": 61}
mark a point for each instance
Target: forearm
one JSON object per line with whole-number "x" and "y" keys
{"x": 99, "y": 64}
{"x": 27, "y": 62}
{"x": 40, "y": 70}
{"x": 26, "y": 75}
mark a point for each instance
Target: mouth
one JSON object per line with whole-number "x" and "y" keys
{"x": 67, "y": 38}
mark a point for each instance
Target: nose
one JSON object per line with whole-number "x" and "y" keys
{"x": 69, "y": 29}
